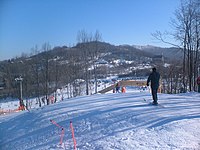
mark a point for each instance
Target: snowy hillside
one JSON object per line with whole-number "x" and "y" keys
{"x": 122, "y": 121}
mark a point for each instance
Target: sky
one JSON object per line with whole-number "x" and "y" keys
{"x": 27, "y": 23}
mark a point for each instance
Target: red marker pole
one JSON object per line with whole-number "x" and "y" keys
{"x": 62, "y": 132}
{"x": 73, "y": 137}
{"x": 62, "y": 135}
{"x": 52, "y": 121}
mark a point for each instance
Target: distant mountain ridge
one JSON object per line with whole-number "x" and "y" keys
{"x": 170, "y": 53}
{"x": 120, "y": 51}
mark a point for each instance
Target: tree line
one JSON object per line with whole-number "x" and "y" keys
{"x": 186, "y": 26}
{"x": 48, "y": 70}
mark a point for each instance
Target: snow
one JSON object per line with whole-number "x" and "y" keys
{"x": 112, "y": 121}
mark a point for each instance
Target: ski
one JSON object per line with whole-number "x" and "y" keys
{"x": 151, "y": 103}
{"x": 159, "y": 105}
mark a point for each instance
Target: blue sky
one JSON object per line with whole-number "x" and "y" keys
{"x": 26, "y": 23}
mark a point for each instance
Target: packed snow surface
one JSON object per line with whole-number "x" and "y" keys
{"x": 114, "y": 121}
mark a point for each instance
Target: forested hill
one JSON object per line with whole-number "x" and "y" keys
{"x": 55, "y": 67}
{"x": 119, "y": 52}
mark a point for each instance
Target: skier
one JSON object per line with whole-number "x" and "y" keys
{"x": 117, "y": 87}
{"x": 198, "y": 83}
{"x": 154, "y": 78}
{"x": 21, "y": 105}
{"x": 123, "y": 89}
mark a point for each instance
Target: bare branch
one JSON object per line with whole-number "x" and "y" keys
{"x": 160, "y": 37}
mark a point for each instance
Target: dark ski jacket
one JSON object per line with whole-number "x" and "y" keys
{"x": 154, "y": 78}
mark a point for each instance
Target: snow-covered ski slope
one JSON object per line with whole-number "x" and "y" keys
{"x": 120, "y": 121}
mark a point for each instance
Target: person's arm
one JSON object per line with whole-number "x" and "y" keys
{"x": 148, "y": 80}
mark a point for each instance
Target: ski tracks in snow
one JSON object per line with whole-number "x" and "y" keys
{"x": 121, "y": 121}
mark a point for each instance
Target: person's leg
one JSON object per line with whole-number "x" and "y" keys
{"x": 199, "y": 88}
{"x": 154, "y": 95}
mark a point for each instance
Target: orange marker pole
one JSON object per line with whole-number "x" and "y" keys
{"x": 73, "y": 137}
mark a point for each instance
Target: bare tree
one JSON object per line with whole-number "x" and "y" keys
{"x": 36, "y": 66}
{"x": 89, "y": 45}
{"x": 97, "y": 38}
{"x": 83, "y": 38}
{"x": 46, "y": 48}
{"x": 188, "y": 27}
{"x": 186, "y": 30}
